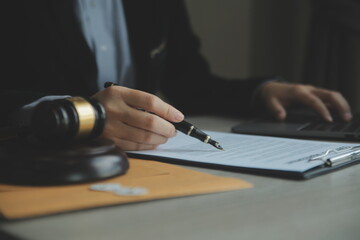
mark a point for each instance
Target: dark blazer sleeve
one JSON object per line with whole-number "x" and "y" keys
{"x": 188, "y": 82}
{"x": 43, "y": 53}
{"x": 13, "y": 90}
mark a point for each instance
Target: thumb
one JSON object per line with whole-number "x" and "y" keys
{"x": 276, "y": 108}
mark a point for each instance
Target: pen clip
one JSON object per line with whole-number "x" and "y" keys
{"x": 339, "y": 155}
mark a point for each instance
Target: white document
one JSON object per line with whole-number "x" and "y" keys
{"x": 271, "y": 153}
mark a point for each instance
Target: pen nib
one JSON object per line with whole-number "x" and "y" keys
{"x": 215, "y": 144}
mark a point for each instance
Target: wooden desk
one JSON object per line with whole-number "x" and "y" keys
{"x": 326, "y": 207}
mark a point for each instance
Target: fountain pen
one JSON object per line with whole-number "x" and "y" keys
{"x": 193, "y": 131}
{"x": 187, "y": 128}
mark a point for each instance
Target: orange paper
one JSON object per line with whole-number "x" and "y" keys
{"x": 161, "y": 180}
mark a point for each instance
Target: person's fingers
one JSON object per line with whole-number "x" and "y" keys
{"x": 144, "y": 120}
{"x": 336, "y": 101}
{"x": 131, "y": 128}
{"x": 123, "y": 131}
{"x": 276, "y": 108}
{"x": 123, "y": 104}
{"x": 152, "y": 103}
{"x": 316, "y": 98}
{"x": 314, "y": 102}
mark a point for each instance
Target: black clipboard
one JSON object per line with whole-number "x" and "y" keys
{"x": 330, "y": 160}
{"x": 311, "y": 173}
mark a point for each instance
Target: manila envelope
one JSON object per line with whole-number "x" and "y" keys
{"x": 160, "y": 179}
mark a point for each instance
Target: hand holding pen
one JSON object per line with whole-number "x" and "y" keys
{"x": 132, "y": 129}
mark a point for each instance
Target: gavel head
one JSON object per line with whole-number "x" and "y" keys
{"x": 68, "y": 120}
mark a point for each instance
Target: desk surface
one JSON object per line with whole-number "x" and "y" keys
{"x": 326, "y": 207}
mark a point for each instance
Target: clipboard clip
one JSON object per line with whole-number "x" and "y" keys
{"x": 338, "y": 156}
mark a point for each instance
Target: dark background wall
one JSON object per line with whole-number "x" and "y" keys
{"x": 243, "y": 38}
{"x": 309, "y": 41}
